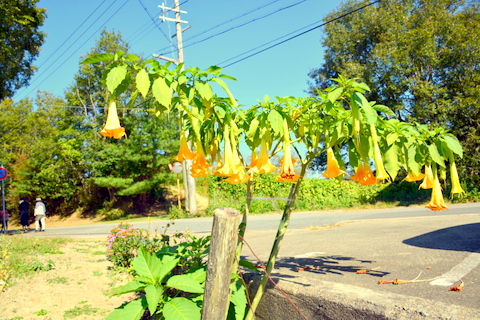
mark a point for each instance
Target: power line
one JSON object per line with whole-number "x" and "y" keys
{"x": 302, "y": 33}
{"x": 93, "y": 34}
{"x": 78, "y": 38}
{"x": 235, "y": 27}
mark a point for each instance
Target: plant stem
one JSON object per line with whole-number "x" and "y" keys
{"x": 282, "y": 229}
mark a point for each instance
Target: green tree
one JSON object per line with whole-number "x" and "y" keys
{"x": 420, "y": 58}
{"x": 20, "y": 42}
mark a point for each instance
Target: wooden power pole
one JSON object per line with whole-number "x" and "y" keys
{"x": 188, "y": 181}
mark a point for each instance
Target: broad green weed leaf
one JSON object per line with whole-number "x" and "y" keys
{"x": 200, "y": 275}
{"x": 181, "y": 309}
{"x": 185, "y": 283}
{"x": 391, "y": 161}
{"x": 115, "y": 77}
{"x": 248, "y": 265}
{"x": 143, "y": 82}
{"x": 131, "y": 311}
{"x": 239, "y": 298}
{"x": 148, "y": 266}
{"x": 130, "y": 287}
{"x": 205, "y": 90}
{"x": 435, "y": 155}
{"x": 167, "y": 265}
{"x": 153, "y": 294}
{"x": 453, "y": 143}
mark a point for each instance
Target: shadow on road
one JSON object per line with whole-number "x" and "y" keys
{"x": 464, "y": 237}
{"x": 334, "y": 264}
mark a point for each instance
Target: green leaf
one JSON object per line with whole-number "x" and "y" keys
{"x": 115, "y": 77}
{"x": 204, "y": 90}
{"x": 335, "y": 94}
{"x": 276, "y": 121}
{"x": 392, "y": 138}
{"x": 129, "y": 287}
{"x": 247, "y": 264}
{"x": 153, "y": 294}
{"x": 453, "y": 143}
{"x": 200, "y": 275}
{"x": 162, "y": 92}
{"x": 131, "y": 57}
{"x": 168, "y": 263}
{"x": 239, "y": 298}
{"x": 143, "y": 82}
{"x": 435, "y": 155}
{"x": 98, "y": 57}
{"x": 148, "y": 266}
{"x": 367, "y": 108}
{"x": 384, "y": 109}
{"x": 252, "y": 129}
{"x": 391, "y": 163}
{"x": 181, "y": 309}
{"x": 185, "y": 283}
{"x": 133, "y": 310}
{"x": 225, "y": 87}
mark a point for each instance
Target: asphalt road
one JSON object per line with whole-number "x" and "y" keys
{"x": 435, "y": 249}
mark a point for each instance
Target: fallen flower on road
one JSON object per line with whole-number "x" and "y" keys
{"x": 397, "y": 281}
{"x": 459, "y": 287}
{"x": 363, "y": 271}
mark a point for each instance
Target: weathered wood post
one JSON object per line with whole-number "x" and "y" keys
{"x": 220, "y": 261}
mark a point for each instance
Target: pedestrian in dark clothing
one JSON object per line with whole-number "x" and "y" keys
{"x": 4, "y": 219}
{"x": 24, "y": 209}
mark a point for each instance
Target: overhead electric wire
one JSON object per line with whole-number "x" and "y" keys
{"x": 78, "y": 38}
{"x": 93, "y": 34}
{"x": 233, "y": 28}
{"x": 302, "y": 33}
{"x": 154, "y": 21}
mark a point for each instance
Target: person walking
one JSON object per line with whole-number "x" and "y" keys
{"x": 40, "y": 213}
{"x": 4, "y": 219}
{"x": 24, "y": 208}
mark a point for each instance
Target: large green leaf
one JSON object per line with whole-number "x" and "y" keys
{"x": 453, "y": 143}
{"x": 200, "y": 275}
{"x": 435, "y": 155}
{"x": 115, "y": 77}
{"x": 238, "y": 297}
{"x": 204, "y": 90}
{"x": 185, "y": 283}
{"x": 143, "y": 82}
{"x": 225, "y": 87}
{"x": 181, "y": 309}
{"x": 133, "y": 310}
{"x": 130, "y": 287}
{"x": 391, "y": 161}
{"x": 98, "y": 57}
{"x": 162, "y": 92}
{"x": 276, "y": 121}
{"x": 153, "y": 294}
{"x": 148, "y": 266}
{"x": 370, "y": 114}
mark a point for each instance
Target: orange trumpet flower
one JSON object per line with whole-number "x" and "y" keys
{"x": 364, "y": 175}
{"x": 436, "y": 202}
{"x": 184, "y": 153}
{"x": 112, "y": 127}
{"x": 333, "y": 169}
{"x": 240, "y": 177}
{"x": 262, "y": 164}
{"x": 287, "y": 173}
{"x": 428, "y": 181}
{"x": 199, "y": 168}
{"x": 412, "y": 177}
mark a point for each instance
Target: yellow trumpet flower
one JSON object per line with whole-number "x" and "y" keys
{"x": 436, "y": 202}
{"x": 262, "y": 164}
{"x": 456, "y": 187}
{"x": 333, "y": 169}
{"x": 199, "y": 168}
{"x": 231, "y": 162}
{"x": 364, "y": 175}
{"x": 240, "y": 177}
{"x": 184, "y": 153}
{"x": 381, "y": 173}
{"x": 287, "y": 173}
{"x": 412, "y": 177}
{"x": 112, "y": 127}
{"x": 428, "y": 180}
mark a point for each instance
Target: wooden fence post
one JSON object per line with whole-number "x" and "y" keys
{"x": 220, "y": 261}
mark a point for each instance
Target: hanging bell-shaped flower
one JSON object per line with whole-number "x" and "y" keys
{"x": 112, "y": 128}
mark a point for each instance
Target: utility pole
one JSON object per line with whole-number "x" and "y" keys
{"x": 188, "y": 181}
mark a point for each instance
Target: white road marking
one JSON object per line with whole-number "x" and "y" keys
{"x": 459, "y": 271}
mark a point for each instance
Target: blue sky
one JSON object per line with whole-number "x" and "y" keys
{"x": 221, "y": 33}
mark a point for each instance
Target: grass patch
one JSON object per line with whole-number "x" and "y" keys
{"x": 62, "y": 280}
{"x": 77, "y": 311}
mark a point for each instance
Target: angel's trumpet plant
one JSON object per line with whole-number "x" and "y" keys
{"x": 112, "y": 127}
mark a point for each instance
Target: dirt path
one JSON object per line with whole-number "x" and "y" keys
{"x": 76, "y": 287}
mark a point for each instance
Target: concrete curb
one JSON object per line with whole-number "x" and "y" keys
{"x": 335, "y": 301}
